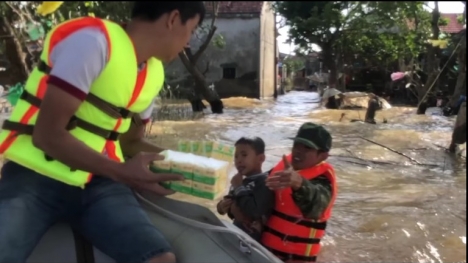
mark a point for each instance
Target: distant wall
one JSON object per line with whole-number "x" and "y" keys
{"x": 267, "y": 52}
{"x": 242, "y": 37}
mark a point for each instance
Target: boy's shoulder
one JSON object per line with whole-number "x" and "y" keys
{"x": 255, "y": 179}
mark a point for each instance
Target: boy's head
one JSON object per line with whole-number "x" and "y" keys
{"x": 165, "y": 28}
{"x": 311, "y": 146}
{"x": 249, "y": 156}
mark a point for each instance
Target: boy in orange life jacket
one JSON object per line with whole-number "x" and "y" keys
{"x": 249, "y": 201}
{"x": 305, "y": 191}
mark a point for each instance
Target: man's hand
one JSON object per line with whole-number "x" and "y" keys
{"x": 224, "y": 206}
{"x": 236, "y": 180}
{"x": 135, "y": 172}
{"x": 284, "y": 179}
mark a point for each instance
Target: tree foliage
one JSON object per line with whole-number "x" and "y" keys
{"x": 190, "y": 57}
{"x": 294, "y": 64}
{"x": 22, "y": 29}
{"x": 380, "y": 31}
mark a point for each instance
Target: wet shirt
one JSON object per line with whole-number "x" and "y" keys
{"x": 313, "y": 197}
{"x": 255, "y": 201}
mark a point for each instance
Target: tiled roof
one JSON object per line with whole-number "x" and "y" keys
{"x": 236, "y": 7}
{"x": 452, "y": 24}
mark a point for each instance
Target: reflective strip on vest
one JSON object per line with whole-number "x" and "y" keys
{"x": 287, "y": 233}
{"x": 119, "y": 84}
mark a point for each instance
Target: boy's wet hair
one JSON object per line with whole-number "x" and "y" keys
{"x": 256, "y": 143}
{"x": 153, "y": 10}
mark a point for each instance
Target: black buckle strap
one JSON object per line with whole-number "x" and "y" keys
{"x": 299, "y": 221}
{"x": 294, "y": 239}
{"x": 87, "y": 126}
{"x": 43, "y": 67}
{"x": 28, "y": 129}
{"x": 18, "y": 127}
{"x": 31, "y": 99}
{"x": 109, "y": 109}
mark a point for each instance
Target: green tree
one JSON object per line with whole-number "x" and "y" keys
{"x": 321, "y": 23}
{"x": 22, "y": 28}
{"x": 384, "y": 31}
{"x": 294, "y": 64}
{"x": 191, "y": 57}
{"x": 460, "y": 88}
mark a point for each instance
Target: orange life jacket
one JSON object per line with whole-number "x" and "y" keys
{"x": 289, "y": 235}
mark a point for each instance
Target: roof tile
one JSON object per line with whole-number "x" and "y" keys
{"x": 452, "y": 24}
{"x": 236, "y": 7}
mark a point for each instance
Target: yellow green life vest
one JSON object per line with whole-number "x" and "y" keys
{"x": 120, "y": 88}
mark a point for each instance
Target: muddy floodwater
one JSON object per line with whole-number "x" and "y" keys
{"x": 388, "y": 208}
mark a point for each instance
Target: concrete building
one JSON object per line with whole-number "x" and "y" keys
{"x": 246, "y": 65}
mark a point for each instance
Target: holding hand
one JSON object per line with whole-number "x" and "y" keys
{"x": 284, "y": 179}
{"x": 135, "y": 173}
{"x": 236, "y": 180}
{"x": 224, "y": 206}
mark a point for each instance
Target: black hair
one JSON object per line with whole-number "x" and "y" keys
{"x": 152, "y": 11}
{"x": 257, "y": 144}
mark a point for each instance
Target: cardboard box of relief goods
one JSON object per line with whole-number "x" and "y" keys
{"x": 205, "y": 177}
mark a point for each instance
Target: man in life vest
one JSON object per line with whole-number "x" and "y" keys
{"x": 305, "y": 191}
{"x": 82, "y": 110}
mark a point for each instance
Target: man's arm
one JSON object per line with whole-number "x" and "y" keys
{"x": 313, "y": 197}
{"x": 133, "y": 141}
{"x": 77, "y": 61}
{"x": 255, "y": 202}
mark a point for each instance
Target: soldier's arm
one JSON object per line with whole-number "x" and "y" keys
{"x": 313, "y": 197}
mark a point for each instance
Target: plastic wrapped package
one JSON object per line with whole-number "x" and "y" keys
{"x": 184, "y": 146}
{"x": 207, "y": 148}
{"x": 183, "y": 164}
{"x": 204, "y": 177}
{"x": 162, "y": 166}
{"x": 202, "y": 148}
{"x": 223, "y": 152}
{"x": 209, "y": 178}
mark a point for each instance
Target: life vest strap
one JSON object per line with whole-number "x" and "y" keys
{"x": 293, "y": 239}
{"x": 104, "y": 106}
{"x": 286, "y": 256}
{"x": 299, "y": 221}
{"x": 28, "y": 129}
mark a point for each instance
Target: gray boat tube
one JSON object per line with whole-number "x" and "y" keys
{"x": 196, "y": 234}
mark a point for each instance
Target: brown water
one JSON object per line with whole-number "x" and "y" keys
{"x": 388, "y": 209}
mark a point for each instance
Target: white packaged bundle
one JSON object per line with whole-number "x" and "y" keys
{"x": 204, "y": 177}
{"x": 209, "y": 178}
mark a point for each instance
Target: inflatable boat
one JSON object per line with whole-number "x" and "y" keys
{"x": 196, "y": 234}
